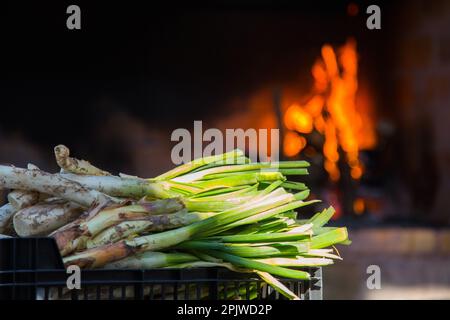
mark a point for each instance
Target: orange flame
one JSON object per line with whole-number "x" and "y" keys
{"x": 334, "y": 112}
{"x": 293, "y": 144}
{"x": 359, "y": 206}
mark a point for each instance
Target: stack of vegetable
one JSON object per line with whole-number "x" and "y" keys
{"x": 223, "y": 210}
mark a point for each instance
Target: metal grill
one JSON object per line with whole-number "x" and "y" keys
{"x": 32, "y": 269}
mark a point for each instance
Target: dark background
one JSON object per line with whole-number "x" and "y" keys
{"x": 167, "y": 63}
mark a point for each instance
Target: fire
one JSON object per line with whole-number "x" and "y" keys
{"x": 296, "y": 118}
{"x": 293, "y": 144}
{"x": 334, "y": 111}
{"x": 359, "y": 206}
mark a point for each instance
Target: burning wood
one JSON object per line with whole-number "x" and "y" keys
{"x": 333, "y": 111}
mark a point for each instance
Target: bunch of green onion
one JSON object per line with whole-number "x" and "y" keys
{"x": 245, "y": 220}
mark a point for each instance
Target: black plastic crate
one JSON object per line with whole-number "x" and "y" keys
{"x": 32, "y": 269}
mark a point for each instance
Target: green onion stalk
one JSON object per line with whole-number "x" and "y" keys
{"x": 103, "y": 254}
{"x": 208, "y": 184}
{"x": 219, "y": 211}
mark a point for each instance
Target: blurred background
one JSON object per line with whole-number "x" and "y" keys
{"x": 370, "y": 109}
